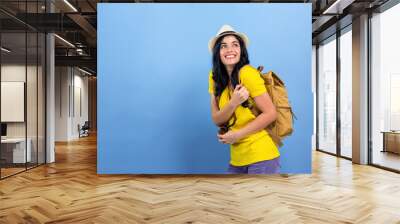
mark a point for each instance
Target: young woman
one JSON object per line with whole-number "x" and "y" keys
{"x": 233, "y": 86}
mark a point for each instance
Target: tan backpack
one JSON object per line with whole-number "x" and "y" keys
{"x": 283, "y": 125}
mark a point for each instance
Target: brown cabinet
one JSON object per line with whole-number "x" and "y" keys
{"x": 391, "y": 141}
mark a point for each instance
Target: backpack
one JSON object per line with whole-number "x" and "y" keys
{"x": 283, "y": 125}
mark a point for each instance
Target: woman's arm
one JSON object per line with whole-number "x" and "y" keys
{"x": 240, "y": 94}
{"x": 268, "y": 115}
{"x": 221, "y": 116}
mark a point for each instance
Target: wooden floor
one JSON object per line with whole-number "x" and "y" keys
{"x": 70, "y": 191}
{"x": 387, "y": 159}
{"x": 5, "y": 172}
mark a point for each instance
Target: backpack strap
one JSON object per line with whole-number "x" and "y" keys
{"x": 277, "y": 79}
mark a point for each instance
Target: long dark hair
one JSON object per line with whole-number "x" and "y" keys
{"x": 220, "y": 75}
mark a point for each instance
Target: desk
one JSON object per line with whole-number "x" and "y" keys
{"x": 16, "y": 151}
{"x": 391, "y": 141}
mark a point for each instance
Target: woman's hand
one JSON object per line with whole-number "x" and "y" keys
{"x": 230, "y": 137}
{"x": 240, "y": 94}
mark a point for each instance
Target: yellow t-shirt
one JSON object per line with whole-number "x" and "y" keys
{"x": 255, "y": 147}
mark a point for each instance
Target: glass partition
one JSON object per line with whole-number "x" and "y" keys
{"x": 32, "y": 95}
{"x": 385, "y": 89}
{"x": 22, "y": 78}
{"x": 327, "y": 95}
{"x": 14, "y": 153}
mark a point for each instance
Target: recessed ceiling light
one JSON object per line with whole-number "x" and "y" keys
{"x": 338, "y": 6}
{"x": 70, "y": 5}
{"x": 64, "y": 40}
{"x": 5, "y": 49}
{"x": 84, "y": 71}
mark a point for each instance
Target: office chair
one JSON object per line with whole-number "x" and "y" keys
{"x": 84, "y": 130}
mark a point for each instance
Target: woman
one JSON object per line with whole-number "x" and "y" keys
{"x": 233, "y": 85}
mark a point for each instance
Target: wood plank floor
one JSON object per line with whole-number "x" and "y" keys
{"x": 70, "y": 191}
{"x": 10, "y": 171}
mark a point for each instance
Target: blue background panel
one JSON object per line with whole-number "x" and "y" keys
{"x": 153, "y": 64}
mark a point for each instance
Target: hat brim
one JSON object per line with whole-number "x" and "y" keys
{"x": 212, "y": 41}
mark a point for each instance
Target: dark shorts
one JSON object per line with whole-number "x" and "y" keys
{"x": 262, "y": 167}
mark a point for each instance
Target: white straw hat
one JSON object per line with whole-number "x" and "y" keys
{"x": 225, "y": 30}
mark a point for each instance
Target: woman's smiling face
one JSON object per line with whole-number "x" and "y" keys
{"x": 230, "y": 50}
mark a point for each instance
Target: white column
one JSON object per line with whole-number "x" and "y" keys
{"x": 50, "y": 91}
{"x": 360, "y": 90}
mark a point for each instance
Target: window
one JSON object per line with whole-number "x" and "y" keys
{"x": 327, "y": 95}
{"x": 385, "y": 88}
{"x": 346, "y": 74}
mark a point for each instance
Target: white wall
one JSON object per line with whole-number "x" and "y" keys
{"x": 79, "y": 112}
{"x": 15, "y": 72}
{"x": 71, "y": 94}
{"x": 62, "y": 81}
{"x": 9, "y": 73}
